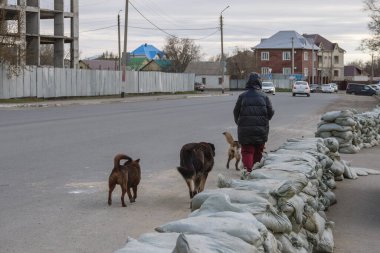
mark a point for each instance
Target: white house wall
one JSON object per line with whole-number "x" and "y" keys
{"x": 212, "y": 82}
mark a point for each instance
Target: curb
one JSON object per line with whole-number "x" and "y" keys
{"x": 107, "y": 101}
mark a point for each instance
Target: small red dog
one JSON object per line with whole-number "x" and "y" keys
{"x": 233, "y": 150}
{"x": 128, "y": 176}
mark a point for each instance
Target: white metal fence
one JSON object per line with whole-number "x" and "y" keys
{"x": 58, "y": 82}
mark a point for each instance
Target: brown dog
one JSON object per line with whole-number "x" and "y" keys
{"x": 127, "y": 176}
{"x": 196, "y": 160}
{"x": 233, "y": 150}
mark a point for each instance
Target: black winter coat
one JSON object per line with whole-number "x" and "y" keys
{"x": 252, "y": 113}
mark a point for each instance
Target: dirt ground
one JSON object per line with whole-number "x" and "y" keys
{"x": 353, "y": 214}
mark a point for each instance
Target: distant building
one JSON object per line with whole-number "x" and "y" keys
{"x": 99, "y": 64}
{"x": 27, "y": 17}
{"x": 160, "y": 65}
{"x": 330, "y": 59}
{"x": 208, "y": 73}
{"x": 287, "y": 53}
{"x": 353, "y": 73}
{"x": 147, "y": 51}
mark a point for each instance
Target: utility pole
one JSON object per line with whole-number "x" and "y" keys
{"x": 372, "y": 72}
{"x": 312, "y": 61}
{"x": 222, "y": 61}
{"x": 292, "y": 55}
{"x": 118, "y": 30}
{"x": 125, "y": 40}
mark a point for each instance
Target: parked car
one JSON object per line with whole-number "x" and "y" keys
{"x": 360, "y": 89}
{"x": 375, "y": 86}
{"x": 335, "y": 86}
{"x": 327, "y": 88}
{"x": 314, "y": 88}
{"x": 268, "y": 87}
{"x": 301, "y": 88}
{"x": 199, "y": 86}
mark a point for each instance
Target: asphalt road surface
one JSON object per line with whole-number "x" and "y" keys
{"x": 55, "y": 163}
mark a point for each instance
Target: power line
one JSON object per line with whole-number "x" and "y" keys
{"x": 171, "y": 35}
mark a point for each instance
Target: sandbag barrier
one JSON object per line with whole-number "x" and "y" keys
{"x": 279, "y": 207}
{"x": 352, "y": 130}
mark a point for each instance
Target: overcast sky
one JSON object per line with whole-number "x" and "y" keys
{"x": 245, "y": 23}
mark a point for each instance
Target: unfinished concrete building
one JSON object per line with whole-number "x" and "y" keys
{"x": 62, "y": 35}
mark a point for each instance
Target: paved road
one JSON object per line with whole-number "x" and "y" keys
{"x": 55, "y": 162}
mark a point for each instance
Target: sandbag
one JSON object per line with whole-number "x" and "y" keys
{"x": 241, "y": 225}
{"x": 210, "y": 243}
{"x": 135, "y": 246}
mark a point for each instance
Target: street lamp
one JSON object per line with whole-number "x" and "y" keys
{"x": 222, "y": 62}
{"x": 118, "y": 30}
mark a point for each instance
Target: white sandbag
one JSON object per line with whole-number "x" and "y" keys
{"x": 275, "y": 221}
{"x": 347, "y": 135}
{"x": 314, "y": 222}
{"x": 302, "y": 167}
{"x": 329, "y": 127}
{"x": 333, "y": 115}
{"x": 337, "y": 168}
{"x": 211, "y": 243}
{"x": 161, "y": 240}
{"x": 277, "y": 174}
{"x": 347, "y": 121}
{"x": 277, "y": 188}
{"x": 221, "y": 202}
{"x": 365, "y": 171}
{"x": 241, "y": 225}
{"x": 332, "y": 144}
{"x": 326, "y": 241}
{"x": 236, "y": 196}
{"x": 352, "y": 149}
{"x": 271, "y": 245}
{"x": 290, "y": 156}
{"x": 134, "y": 246}
{"x": 294, "y": 208}
{"x": 290, "y": 244}
{"x": 323, "y": 134}
{"x": 348, "y": 172}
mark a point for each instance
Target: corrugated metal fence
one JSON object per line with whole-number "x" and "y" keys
{"x": 57, "y": 82}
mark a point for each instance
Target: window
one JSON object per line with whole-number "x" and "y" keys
{"x": 336, "y": 72}
{"x": 220, "y": 80}
{"x": 336, "y": 59}
{"x": 265, "y": 56}
{"x": 286, "y": 56}
{"x": 306, "y": 72}
{"x": 305, "y": 56}
{"x": 286, "y": 71}
{"x": 203, "y": 80}
{"x": 265, "y": 71}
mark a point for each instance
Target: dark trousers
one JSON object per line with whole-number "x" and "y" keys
{"x": 251, "y": 154}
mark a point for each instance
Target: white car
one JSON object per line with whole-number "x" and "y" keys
{"x": 327, "y": 88}
{"x": 301, "y": 88}
{"x": 335, "y": 86}
{"x": 268, "y": 87}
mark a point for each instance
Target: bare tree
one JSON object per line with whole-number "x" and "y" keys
{"x": 241, "y": 63}
{"x": 372, "y": 44}
{"x": 12, "y": 45}
{"x": 181, "y": 52}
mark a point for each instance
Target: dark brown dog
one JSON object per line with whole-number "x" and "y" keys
{"x": 196, "y": 160}
{"x": 128, "y": 176}
{"x": 233, "y": 150}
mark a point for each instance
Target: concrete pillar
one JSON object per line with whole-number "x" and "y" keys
{"x": 74, "y": 48}
{"x": 59, "y": 31}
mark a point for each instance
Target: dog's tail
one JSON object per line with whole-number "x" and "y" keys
{"x": 229, "y": 137}
{"x": 118, "y": 158}
{"x": 187, "y": 169}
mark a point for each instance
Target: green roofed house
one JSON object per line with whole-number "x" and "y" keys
{"x": 136, "y": 63}
{"x": 161, "y": 65}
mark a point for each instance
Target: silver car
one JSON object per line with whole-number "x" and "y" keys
{"x": 301, "y": 88}
{"x": 268, "y": 87}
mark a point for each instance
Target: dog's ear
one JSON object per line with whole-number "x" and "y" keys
{"x": 212, "y": 148}
{"x": 137, "y": 161}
